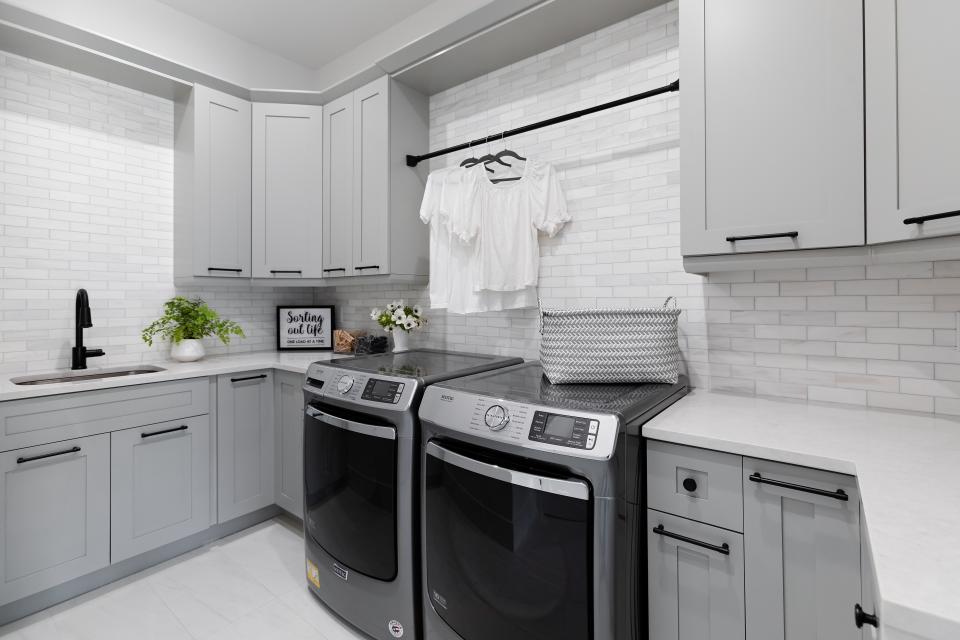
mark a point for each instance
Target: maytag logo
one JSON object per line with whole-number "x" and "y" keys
{"x": 340, "y": 571}
{"x": 439, "y": 599}
{"x": 446, "y": 398}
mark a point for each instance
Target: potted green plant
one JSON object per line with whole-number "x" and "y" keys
{"x": 185, "y": 323}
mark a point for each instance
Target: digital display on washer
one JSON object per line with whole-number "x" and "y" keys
{"x": 563, "y": 430}
{"x": 559, "y": 426}
{"x": 382, "y": 391}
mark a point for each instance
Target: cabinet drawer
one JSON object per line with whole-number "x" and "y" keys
{"x": 54, "y": 514}
{"x": 695, "y": 580}
{"x": 72, "y": 415}
{"x": 695, "y": 483}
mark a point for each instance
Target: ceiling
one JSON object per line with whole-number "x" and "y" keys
{"x": 310, "y": 32}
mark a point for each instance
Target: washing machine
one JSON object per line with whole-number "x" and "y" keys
{"x": 361, "y": 462}
{"x": 532, "y": 509}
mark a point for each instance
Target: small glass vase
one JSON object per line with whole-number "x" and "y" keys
{"x": 401, "y": 340}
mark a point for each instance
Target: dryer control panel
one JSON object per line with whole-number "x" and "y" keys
{"x": 564, "y": 430}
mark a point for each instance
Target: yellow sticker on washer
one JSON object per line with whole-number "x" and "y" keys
{"x": 313, "y": 574}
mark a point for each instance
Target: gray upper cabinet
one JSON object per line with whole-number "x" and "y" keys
{"x": 245, "y": 443}
{"x": 913, "y": 132}
{"x": 802, "y": 534}
{"x": 371, "y": 198}
{"x": 212, "y": 185}
{"x": 695, "y": 580}
{"x": 288, "y": 408}
{"x": 338, "y": 191}
{"x": 54, "y": 514}
{"x": 772, "y": 116}
{"x": 287, "y": 178}
{"x": 159, "y": 485}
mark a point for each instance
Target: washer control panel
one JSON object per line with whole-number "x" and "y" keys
{"x": 380, "y": 390}
{"x": 359, "y": 388}
{"x": 564, "y": 430}
{"x": 496, "y": 417}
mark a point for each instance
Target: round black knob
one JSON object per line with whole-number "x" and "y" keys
{"x": 689, "y": 485}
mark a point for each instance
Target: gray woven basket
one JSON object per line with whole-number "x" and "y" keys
{"x": 610, "y": 345}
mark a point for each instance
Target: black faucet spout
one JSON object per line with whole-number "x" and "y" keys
{"x": 82, "y": 320}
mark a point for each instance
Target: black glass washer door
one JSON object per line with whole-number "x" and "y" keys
{"x": 509, "y": 553}
{"x": 350, "y": 490}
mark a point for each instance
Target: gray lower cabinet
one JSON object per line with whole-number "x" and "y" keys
{"x": 288, "y": 408}
{"x": 54, "y": 514}
{"x": 870, "y": 599}
{"x": 159, "y": 485}
{"x": 802, "y": 531}
{"x": 245, "y": 443}
{"x": 695, "y": 583}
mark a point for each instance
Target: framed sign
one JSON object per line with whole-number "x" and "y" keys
{"x": 305, "y": 328}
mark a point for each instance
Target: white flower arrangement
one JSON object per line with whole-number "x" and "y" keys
{"x": 397, "y": 315}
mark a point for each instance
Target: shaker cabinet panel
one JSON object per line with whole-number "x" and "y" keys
{"x": 371, "y": 199}
{"x": 772, "y": 114}
{"x": 913, "y": 132}
{"x": 338, "y": 187}
{"x": 221, "y": 184}
{"x": 802, "y": 534}
{"x": 54, "y": 514}
{"x": 696, "y": 591}
{"x": 160, "y": 485}
{"x": 245, "y": 443}
{"x": 287, "y": 180}
{"x": 288, "y": 408}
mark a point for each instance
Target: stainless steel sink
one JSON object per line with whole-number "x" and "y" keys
{"x": 84, "y": 375}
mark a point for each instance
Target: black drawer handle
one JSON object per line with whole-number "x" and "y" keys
{"x": 861, "y": 617}
{"x": 332, "y": 270}
{"x": 933, "y": 216}
{"x": 723, "y": 548}
{"x": 280, "y": 271}
{"x": 182, "y": 427}
{"x": 49, "y": 455}
{"x": 259, "y": 377}
{"x": 764, "y": 236}
{"x": 372, "y": 266}
{"x": 220, "y": 269}
{"x": 839, "y": 494}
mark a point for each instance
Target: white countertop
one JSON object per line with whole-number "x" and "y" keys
{"x": 209, "y": 366}
{"x": 908, "y": 470}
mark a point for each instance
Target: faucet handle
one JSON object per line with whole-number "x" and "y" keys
{"x": 93, "y": 353}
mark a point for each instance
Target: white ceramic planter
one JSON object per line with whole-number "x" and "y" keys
{"x": 401, "y": 340}
{"x": 187, "y": 350}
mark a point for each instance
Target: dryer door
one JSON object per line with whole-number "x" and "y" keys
{"x": 350, "y": 489}
{"x": 508, "y": 550}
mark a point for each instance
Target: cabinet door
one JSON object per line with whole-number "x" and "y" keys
{"x": 772, "y": 114}
{"x": 870, "y": 599}
{"x": 338, "y": 186}
{"x": 695, "y": 592}
{"x": 221, "y": 185}
{"x": 802, "y": 552}
{"x": 159, "y": 485}
{"x": 287, "y": 179}
{"x": 371, "y": 187}
{"x": 288, "y": 407}
{"x": 54, "y": 514}
{"x": 913, "y": 133}
{"x": 244, "y": 443}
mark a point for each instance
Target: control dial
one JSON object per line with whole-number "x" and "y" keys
{"x": 344, "y": 384}
{"x": 496, "y": 417}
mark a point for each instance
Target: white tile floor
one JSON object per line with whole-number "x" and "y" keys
{"x": 250, "y": 585}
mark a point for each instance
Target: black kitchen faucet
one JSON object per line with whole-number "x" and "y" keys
{"x": 82, "y": 321}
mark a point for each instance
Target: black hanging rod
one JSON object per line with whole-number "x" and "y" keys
{"x": 413, "y": 161}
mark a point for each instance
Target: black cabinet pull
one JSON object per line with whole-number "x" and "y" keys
{"x": 262, "y": 375}
{"x": 722, "y": 548}
{"x": 764, "y": 236}
{"x": 49, "y": 455}
{"x": 839, "y": 494}
{"x": 689, "y": 485}
{"x": 280, "y": 271}
{"x": 220, "y": 269}
{"x": 861, "y": 617}
{"x": 182, "y": 427}
{"x": 332, "y": 270}
{"x": 932, "y": 216}
{"x": 373, "y": 266}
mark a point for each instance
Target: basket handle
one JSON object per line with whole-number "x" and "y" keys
{"x": 540, "y": 314}
{"x": 667, "y": 301}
